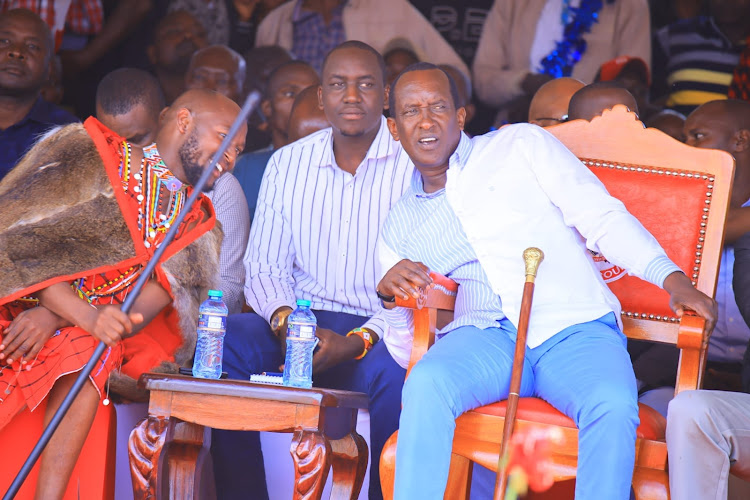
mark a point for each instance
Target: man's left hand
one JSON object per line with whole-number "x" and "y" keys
{"x": 683, "y": 295}
{"x": 334, "y": 349}
{"x": 27, "y": 334}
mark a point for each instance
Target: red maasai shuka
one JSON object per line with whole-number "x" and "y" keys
{"x": 71, "y": 347}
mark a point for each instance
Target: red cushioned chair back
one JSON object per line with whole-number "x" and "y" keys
{"x": 670, "y": 188}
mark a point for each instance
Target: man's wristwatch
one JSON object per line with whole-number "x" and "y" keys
{"x": 386, "y": 298}
{"x": 278, "y": 319}
{"x": 365, "y": 334}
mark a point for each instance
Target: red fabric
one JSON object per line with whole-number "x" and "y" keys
{"x": 155, "y": 343}
{"x": 94, "y": 474}
{"x": 70, "y": 350}
{"x": 740, "y": 86}
{"x": 653, "y": 425}
{"x": 85, "y": 17}
{"x": 611, "y": 69}
{"x": 661, "y": 203}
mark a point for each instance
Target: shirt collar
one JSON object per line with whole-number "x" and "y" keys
{"x": 461, "y": 155}
{"x": 457, "y": 160}
{"x": 381, "y": 147}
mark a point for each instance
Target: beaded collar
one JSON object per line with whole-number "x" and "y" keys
{"x": 160, "y": 195}
{"x": 568, "y": 51}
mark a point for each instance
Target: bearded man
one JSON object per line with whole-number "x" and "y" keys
{"x": 69, "y": 258}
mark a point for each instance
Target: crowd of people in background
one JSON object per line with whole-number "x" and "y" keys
{"x": 318, "y": 153}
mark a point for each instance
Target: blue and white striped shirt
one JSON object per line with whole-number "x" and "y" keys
{"x": 316, "y": 226}
{"x": 423, "y": 228}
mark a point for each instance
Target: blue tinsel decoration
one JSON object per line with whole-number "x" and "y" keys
{"x": 568, "y": 52}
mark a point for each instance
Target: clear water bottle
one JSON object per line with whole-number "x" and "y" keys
{"x": 212, "y": 325}
{"x": 300, "y": 343}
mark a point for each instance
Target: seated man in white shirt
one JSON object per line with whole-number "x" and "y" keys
{"x": 473, "y": 207}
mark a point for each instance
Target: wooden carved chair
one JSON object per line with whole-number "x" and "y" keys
{"x": 680, "y": 194}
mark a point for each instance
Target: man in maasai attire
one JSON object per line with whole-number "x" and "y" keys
{"x": 80, "y": 216}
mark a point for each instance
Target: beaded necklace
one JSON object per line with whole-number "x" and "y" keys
{"x": 568, "y": 51}
{"x": 160, "y": 196}
{"x": 159, "y": 193}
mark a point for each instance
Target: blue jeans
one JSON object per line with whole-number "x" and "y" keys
{"x": 584, "y": 371}
{"x": 250, "y": 347}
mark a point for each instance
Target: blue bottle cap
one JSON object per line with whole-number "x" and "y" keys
{"x": 303, "y": 302}
{"x": 215, "y": 293}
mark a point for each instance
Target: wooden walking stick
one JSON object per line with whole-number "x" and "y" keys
{"x": 532, "y": 258}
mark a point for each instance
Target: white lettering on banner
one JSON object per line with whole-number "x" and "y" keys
{"x": 610, "y": 272}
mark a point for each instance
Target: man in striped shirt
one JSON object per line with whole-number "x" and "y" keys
{"x": 322, "y": 202}
{"x": 694, "y": 59}
{"x": 473, "y": 206}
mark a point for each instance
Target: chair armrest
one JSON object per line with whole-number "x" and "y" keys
{"x": 692, "y": 340}
{"x": 441, "y": 295}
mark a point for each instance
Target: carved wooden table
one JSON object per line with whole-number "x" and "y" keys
{"x": 166, "y": 447}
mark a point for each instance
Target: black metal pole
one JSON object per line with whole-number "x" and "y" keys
{"x": 250, "y": 103}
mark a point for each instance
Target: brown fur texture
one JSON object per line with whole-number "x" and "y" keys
{"x": 53, "y": 206}
{"x": 59, "y": 217}
{"x": 191, "y": 273}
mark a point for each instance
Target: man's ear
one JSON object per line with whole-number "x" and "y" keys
{"x": 386, "y": 97}
{"x": 392, "y": 128}
{"x": 320, "y": 97}
{"x": 461, "y": 117}
{"x": 742, "y": 141}
{"x": 184, "y": 120}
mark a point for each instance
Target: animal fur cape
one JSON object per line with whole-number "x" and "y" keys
{"x": 64, "y": 215}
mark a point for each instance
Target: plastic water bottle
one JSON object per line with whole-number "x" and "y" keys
{"x": 212, "y": 325}
{"x": 300, "y": 343}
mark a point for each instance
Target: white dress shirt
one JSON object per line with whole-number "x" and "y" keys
{"x": 315, "y": 227}
{"x": 519, "y": 187}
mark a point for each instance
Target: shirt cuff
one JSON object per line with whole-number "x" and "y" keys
{"x": 270, "y": 307}
{"x": 658, "y": 269}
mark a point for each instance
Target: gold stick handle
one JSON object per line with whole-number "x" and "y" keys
{"x": 532, "y": 257}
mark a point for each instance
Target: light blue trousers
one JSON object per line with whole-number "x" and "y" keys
{"x": 584, "y": 371}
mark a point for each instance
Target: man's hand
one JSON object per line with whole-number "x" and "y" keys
{"x": 684, "y": 296}
{"x": 404, "y": 278}
{"x": 27, "y": 334}
{"x": 334, "y": 349}
{"x": 111, "y": 325}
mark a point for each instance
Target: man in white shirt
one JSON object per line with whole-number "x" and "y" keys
{"x": 322, "y": 202}
{"x": 508, "y": 190}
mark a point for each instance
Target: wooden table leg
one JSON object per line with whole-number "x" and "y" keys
{"x": 144, "y": 448}
{"x": 349, "y": 461}
{"x": 311, "y": 453}
{"x": 187, "y": 466}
